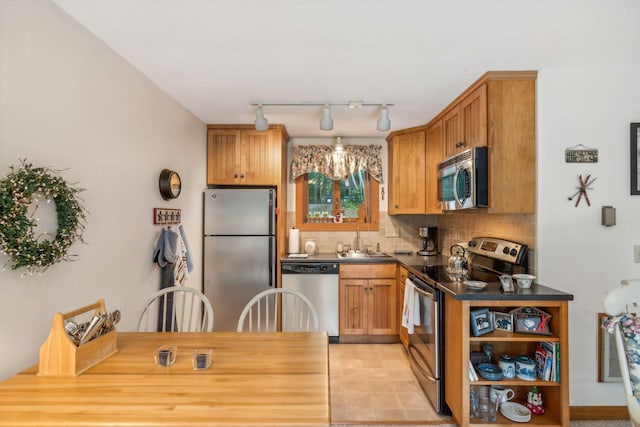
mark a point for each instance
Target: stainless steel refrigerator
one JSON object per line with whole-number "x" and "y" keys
{"x": 239, "y": 249}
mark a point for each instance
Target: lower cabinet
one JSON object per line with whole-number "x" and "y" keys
{"x": 461, "y": 341}
{"x": 368, "y": 303}
{"x": 403, "y": 333}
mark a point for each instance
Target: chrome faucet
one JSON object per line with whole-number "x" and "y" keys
{"x": 356, "y": 242}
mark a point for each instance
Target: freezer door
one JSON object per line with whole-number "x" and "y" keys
{"x": 235, "y": 269}
{"x": 239, "y": 211}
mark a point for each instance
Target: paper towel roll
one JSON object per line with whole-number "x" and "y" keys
{"x": 294, "y": 241}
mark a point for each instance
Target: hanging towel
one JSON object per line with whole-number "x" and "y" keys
{"x": 411, "y": 307}
{"x": 180, "y": 269}
{"x": 166, "y": 248}
{"x": 187, "y": 248}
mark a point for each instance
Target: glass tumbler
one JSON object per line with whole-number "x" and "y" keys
{"x": 201, "y": 359}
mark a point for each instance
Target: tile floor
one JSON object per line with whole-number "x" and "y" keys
{"x": 374, "y": 383}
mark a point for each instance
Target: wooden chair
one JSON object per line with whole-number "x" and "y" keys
{"x": 179, "y": 309}
{"x": 623, "y": 300}
{"x": 261, "y": 312}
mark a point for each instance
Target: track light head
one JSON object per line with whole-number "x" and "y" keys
{"x": 261, "y": 123}
{"x": 384, "y": 124}
{"x": 326, "y": 122}
{"x": 338, "y": 147}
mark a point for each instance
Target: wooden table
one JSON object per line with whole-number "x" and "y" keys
{"x": 266, "y": 379}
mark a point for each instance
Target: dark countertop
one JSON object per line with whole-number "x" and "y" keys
{"x": 493, "y": 291}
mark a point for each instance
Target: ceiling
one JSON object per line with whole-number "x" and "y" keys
{"x": 216, "y": 57}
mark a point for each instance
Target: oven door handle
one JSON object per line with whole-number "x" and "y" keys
{"x": 421, "y": 363}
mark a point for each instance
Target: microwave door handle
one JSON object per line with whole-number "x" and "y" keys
{"x": 455, "y": 186}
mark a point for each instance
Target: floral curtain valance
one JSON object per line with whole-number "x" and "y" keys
{"x": 337, "y": 165}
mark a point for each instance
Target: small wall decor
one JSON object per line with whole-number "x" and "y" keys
{"x": 27, "y": 185}
{"x": 531, "y": 320}
{"x": 585, "y": 184}
{"x": 167, "y": 216}
{"x": 581, "y": 154}
{"x": 481, "y": 322}
{"x": 635, "y": 156}
{"x": 169, "y": 184}
{"x": 503, "y": 321}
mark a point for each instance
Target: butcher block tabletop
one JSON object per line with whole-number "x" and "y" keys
{"x": 266, "y": 379}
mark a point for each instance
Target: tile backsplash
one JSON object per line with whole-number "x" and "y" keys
{"x": 453, "y": 227}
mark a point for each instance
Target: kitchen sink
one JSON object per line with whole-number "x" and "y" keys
{"x": 358, "y": 254}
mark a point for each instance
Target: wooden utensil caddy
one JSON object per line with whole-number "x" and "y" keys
{"x": 61, "y": 357}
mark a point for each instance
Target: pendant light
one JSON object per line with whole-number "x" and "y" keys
{"x": 338, "y": 147}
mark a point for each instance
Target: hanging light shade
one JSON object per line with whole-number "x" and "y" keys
{"x": 384, "y": 123}
{"x": 326, "y": 122}
{"x": 261, "y": 123}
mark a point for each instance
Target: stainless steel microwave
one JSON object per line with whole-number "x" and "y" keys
{"x": 463, "y": 180}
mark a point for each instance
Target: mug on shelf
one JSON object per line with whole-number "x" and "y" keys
{"x": 501, "y": 394}
{"x": 525, "y": 368}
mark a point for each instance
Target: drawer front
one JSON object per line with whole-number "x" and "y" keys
{"x": 367, "y": 271}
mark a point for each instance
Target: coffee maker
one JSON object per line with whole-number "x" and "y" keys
{"x": 429, "y": 241}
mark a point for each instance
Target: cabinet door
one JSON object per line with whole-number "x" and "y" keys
{"x": 407, "y": 172}
{"x": 223, "y": 160}
{"x": 382, "y": 306}
{"x": 452, "y": 132}
{"x": 434, "y": 154}
{"x": 403, "y": 334}
{"x": 474, "y": 122}
{"x": 353, "y": 307}
{"x": 258, "y": 153}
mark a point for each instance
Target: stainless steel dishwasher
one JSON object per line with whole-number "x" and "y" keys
{"x": 318, "y": 281}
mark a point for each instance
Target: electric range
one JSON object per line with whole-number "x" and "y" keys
{"x": 489, "y": 258}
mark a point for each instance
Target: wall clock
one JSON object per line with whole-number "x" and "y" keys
{"x": 170, "y": 184}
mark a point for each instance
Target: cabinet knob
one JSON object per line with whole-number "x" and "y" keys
{"x": 235, "y": 175}
{"x": 242, "y": 175}
{"x": 397, "y": 206}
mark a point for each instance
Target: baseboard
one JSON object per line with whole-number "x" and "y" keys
{"x": 598, "y": 413}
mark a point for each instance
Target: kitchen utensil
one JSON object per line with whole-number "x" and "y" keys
{"x": 457, "y": 265}
{"x": 515, "y": 412}
{"x": 490, "y": 371}
{"x": 507, "y": 283}
{"x": 474, "y": 284}
{"x": 486, "y": 410}
{"x": 525, "y": 368}
{"x": 524, "y": 280}
{"x": 501, "y": 394}
{"x": 508, "y": 366}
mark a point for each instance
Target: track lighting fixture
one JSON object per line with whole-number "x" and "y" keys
{"x": 326, "y": 121}
{"x": 384, "y": 124}
{"x": 261, "y": 123}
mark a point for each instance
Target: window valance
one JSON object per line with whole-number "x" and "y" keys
{"x": 337, "y": 165}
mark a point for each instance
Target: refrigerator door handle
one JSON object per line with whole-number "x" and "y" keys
{"x": 271, "y": 263}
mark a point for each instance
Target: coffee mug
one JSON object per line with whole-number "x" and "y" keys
{"x": 502, "y": 394}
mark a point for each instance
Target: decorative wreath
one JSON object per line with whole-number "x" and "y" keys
{"x": 18, "y": 190}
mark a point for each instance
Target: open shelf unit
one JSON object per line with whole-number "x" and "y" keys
{"x": 459, "y": 345}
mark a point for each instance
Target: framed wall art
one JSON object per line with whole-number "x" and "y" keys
{"x": 503, "y": 321}
{"x": 530, "y": 320}
{"x": 608, "y": 366}
{"x": 635, "y": 155}
{"x": 481, "y": 322}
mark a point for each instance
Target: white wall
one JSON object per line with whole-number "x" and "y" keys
{"x": 593, "y": 105}
{"x": 69, "y": 102}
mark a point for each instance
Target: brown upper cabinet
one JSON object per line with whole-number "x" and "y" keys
{"x": 465, "y": 125}
{"x": 407, "y": 161}
{"x": 241, "y": 155}
{"x": 497, "y": 111}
